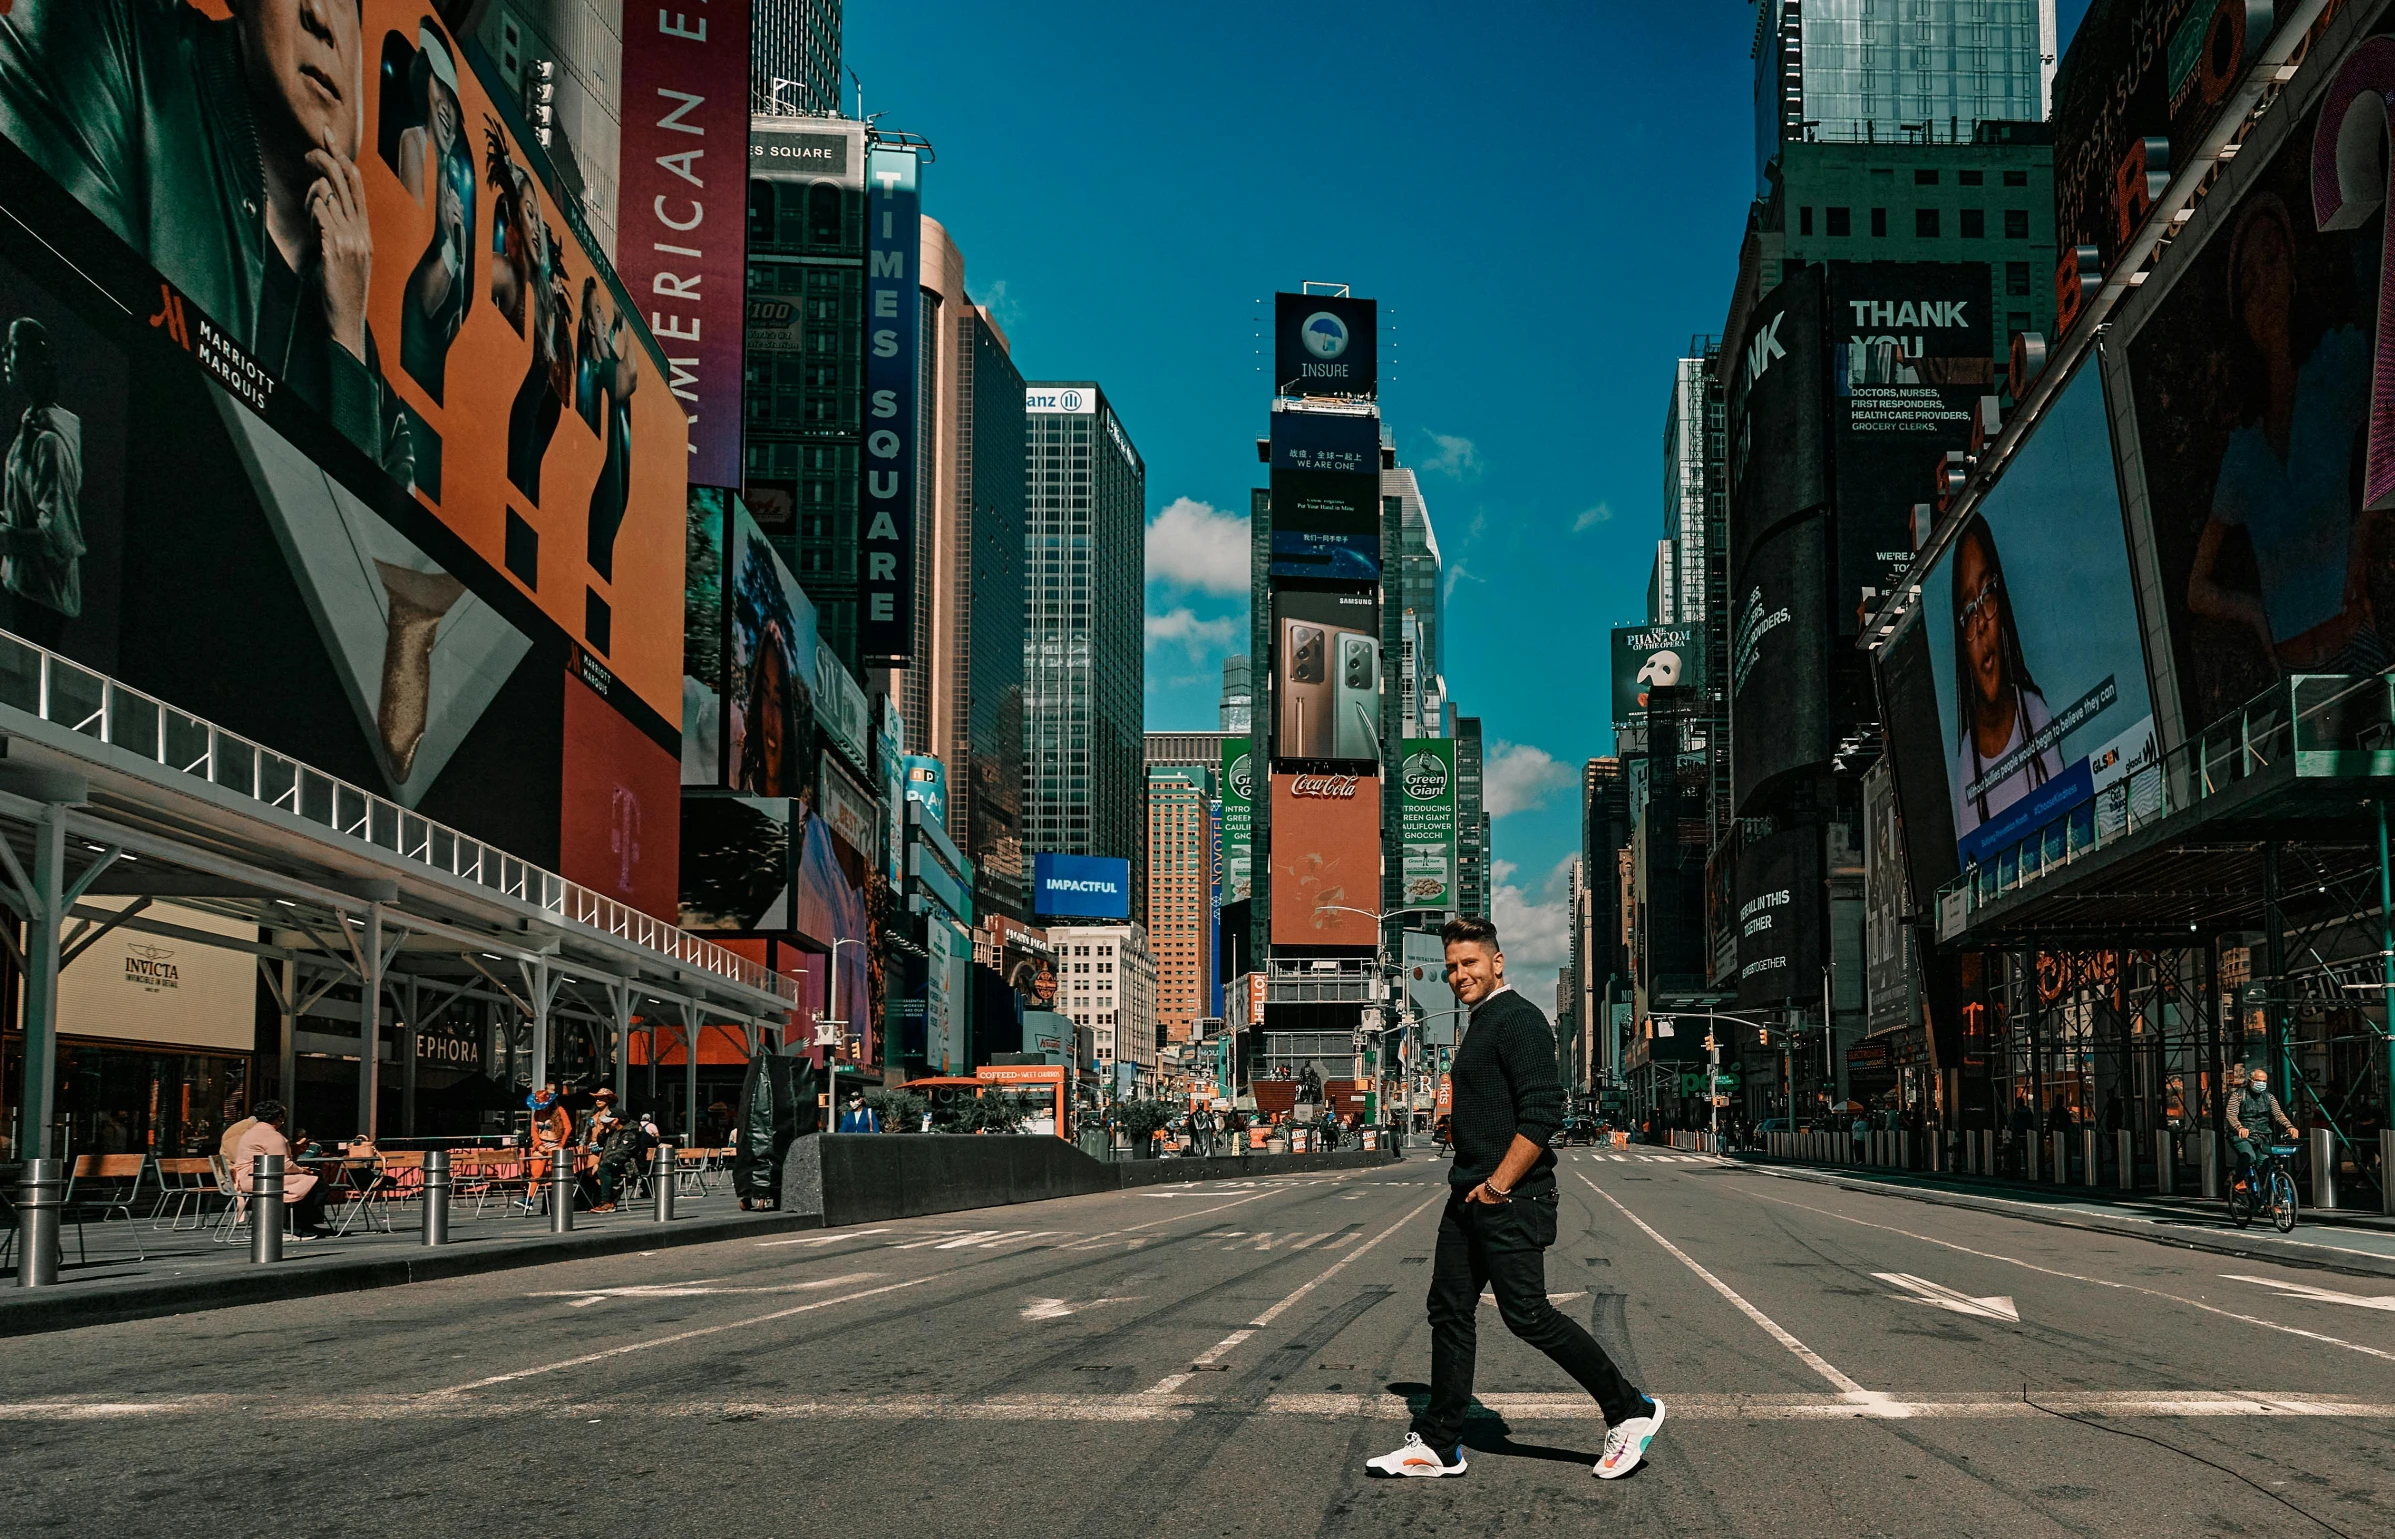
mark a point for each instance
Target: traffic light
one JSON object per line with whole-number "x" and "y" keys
{"x": 1762, "y": 1036}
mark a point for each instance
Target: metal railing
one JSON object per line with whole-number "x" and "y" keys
{"x": 69, "y": 695}
{"x": 2302, "y": 713}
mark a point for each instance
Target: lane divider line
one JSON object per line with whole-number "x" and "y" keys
{"x": 1804, "y": 1354}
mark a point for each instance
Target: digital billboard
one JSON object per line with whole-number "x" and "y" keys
{"x": 1426, "y": 823}
{"x": 1325, "y": 859}
{"x": 1325, "y": 344}
{"x": 708, "y": 517}
{"x": 1776, "y": 414}
{"x": 2033, "y": 638}
{"x": 351, "y": 234}
{"x": 771, "y": 655}
{"x": 737, "y": 871}
{"x": 684, "y": 152}
{"x": 2266, "y": 408}
{"x": 1918, "y": 759}
{"x": 1325, "y": 495}
{"x": 1238, "y": 819}
{"x": 1326, "y": 679}
{"x": 1080, "y": 887}
{"x": 1779, "y": 657}
{"x": 1650, "y": 657}
{"x": 1780, "y": 906}
{"x": 893, "y": 274}
{"x": 1910, "y": 355}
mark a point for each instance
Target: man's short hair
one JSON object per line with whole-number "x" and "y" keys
{"x": 1460, "y": 931}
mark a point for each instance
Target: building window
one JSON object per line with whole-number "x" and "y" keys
{"x": 1975, "y": 223}
{"x": 1971, "y": 178}
{"x": 2016, "y": 279}
{"x": 1879, "y": 222}
{"x": 1804, "y": 226}
{"x": 1923, "y": 177}
{"x": 1841, "y": 221}
{"x": 1925, "y": 223}
{"x": 2016, "y": 178}
{"x": 2016, "y": 224}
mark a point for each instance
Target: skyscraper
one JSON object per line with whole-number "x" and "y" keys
{"x": 1084, "y": 669}
{"x": 794, "y": 62}
{"x": 1471, "y": 823}
{"x": 1180, "y": 895}
{"x": 1238, "y": 693}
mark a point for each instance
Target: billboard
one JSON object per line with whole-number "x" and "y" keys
{"x": 707, "y": 523}
{"x": 684, "y": 87}
{"x": 2266, "y": 412}
{"x": 1917, "y": 757}
{"x": 1080, "y": 887}
{"x": 889, "y": 756}
{"x": 1238, "y": 819}
{"x": 791, "y": 149}
{"x": 1780, "y": 905}
{"x": 771, "y": 647}
{"x": 893, "y": 316}
{"x": 1326, "y": 683}
{"x": 2033, "y": 637}
{"x": 1776, "y": 414}
{"x": 841, "y": 706}
{"x": 1426, "y": 823}
{"x": 737, "y": 871}
{"x": 831, "y": 908}
{"x": 1779, "y": 657}
{"x": 385, "y": 269}
{"x": 1325, "y": 859}
{"x": 2142, "y": 83}
{"x": 1325, "y": 344}
{"x": 1910, "y": 355}
{"x": 1325, "y": 495}
{"x": 1647, "y": 657}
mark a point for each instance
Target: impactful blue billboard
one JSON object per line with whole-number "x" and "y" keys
{"x": 1080, "y": 887}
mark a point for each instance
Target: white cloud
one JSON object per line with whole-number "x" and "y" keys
{"x": 1457, "y": 457}
{"x": 1536, "y": 932}
{"x": 1591, "y": 517}
{"x": 1194, "y": 545}
{"x": 1185, "y": 628}
{"x": 1518, "y": 777}
{"x": 1457, "y": 575}
{"x": 1006, "y": 310}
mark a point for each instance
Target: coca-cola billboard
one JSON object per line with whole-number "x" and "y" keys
{"x": 1326, "y": 883}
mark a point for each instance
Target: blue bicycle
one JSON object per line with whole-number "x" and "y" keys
{"x": 2270, "y": 1188}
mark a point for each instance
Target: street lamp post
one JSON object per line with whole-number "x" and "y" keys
{"x": 1713, "y": 1063}
{"x": 839, "y": 1031}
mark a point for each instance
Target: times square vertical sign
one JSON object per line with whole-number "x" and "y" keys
{"x": 893, "y": 356}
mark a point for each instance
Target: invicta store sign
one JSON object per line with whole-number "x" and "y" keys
{"x": 152, "y": 968}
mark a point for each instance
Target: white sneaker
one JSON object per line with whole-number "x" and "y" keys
{"x": 1626, "y": 1443}
{"x": 1416, "y": 1458}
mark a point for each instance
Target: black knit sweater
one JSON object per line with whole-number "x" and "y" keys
{"x": 1505, "y": 1083}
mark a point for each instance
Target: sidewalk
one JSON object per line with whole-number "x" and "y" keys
{"x": 2345, "y": 1241}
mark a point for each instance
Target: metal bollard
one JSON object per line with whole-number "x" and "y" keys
{"x": 2211, "y": 1164}
{"x": 2166, "y": 1164}
{"x": 436, "y": 1197}
{"x": 2062, "y": 1156}
{"x": 561, "y": 1192}
{"x": 41, "y": 1190}
{"x": 1904, "y": 1149}
{"x": 2029, "y": 1156}
{"x": 2386, "y": 1171}
{"x": 663, "y": 1172}
{"x": 2324, "y": 1168}
{"x": 2124, "y": 1156}
{"x": 2091, "y": 1173}
{"x": 266, "y": 1210}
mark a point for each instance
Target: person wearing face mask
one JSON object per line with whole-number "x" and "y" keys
{"x": 225, "y": 154}
{"x": 2251, "y": 1114}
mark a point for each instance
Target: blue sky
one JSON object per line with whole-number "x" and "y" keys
{"x": 1547, "y": 210}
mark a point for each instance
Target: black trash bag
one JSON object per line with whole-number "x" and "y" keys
{"x": 777, "y": 1104}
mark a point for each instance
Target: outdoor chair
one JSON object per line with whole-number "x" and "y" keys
{"x": 184, "y": 1187}
{"x": 105, "y": 1186}
{"x": 690, "y": 1171}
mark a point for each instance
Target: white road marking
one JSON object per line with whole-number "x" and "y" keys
{"x": 1920, "y": 1290}
{"x": 697, "y": 1287}
{"x": 2004, "y": 1405}
{"x": 1552, "y": 1298}
{"x": 1810, "y": 1358}
{"x": 664, "y": 1341}
{"x": 2100, "y": 1282}
{"x": 825, "y": 1238}
{"x": 2296, "y": 1290}
{"x": 1057, "y": 1309}
{"x": 1170, "y": 1383}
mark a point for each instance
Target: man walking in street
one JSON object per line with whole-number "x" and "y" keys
{"x": 1500, "y": 1219}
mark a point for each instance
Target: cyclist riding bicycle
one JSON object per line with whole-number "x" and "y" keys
{"x": 2253, "y": 1106}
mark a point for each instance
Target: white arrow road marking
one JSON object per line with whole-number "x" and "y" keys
{"x": 697, "y": 1287}
{"x": 1057, "y": 1309}
{"x": 822, "y": 1239}
{"x": 2296, "y": 1290}
{"x": 1920, "y": 1290}
{"x": 1552, "y": 1298}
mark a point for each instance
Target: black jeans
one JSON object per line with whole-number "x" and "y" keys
{"x": 1504, "y": 1247}
{"x": 613, "y": 1168}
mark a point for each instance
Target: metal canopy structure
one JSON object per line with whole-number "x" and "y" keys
{"x": 112, "y": 802}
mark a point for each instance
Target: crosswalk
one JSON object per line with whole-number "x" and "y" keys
{"x": 1599, "y": 1157}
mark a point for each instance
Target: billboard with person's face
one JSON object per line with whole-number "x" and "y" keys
{"x": 328, "y": 207}
{"x": 2034, "y": 646}
{"x": 2265, "y": 402}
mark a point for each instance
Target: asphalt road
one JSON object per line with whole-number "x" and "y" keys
{"x": 1219, "y": 1359}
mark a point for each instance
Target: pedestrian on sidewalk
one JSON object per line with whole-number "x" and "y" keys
{"x": 1500, "y": 1219}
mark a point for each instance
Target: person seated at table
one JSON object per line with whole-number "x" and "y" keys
{"x": 624, "y": 1145}
{"x": 303, "y": 1203}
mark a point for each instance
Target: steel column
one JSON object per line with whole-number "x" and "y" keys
{"x": 407, "y": 1065}
{"x": 40, "y": 1101}
{"x": 370, "y": 1019}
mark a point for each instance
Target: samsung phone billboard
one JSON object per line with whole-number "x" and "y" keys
{"x": 1080, "y": 887}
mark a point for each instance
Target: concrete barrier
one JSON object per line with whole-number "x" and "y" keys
{"x": 865, "y": 1178}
